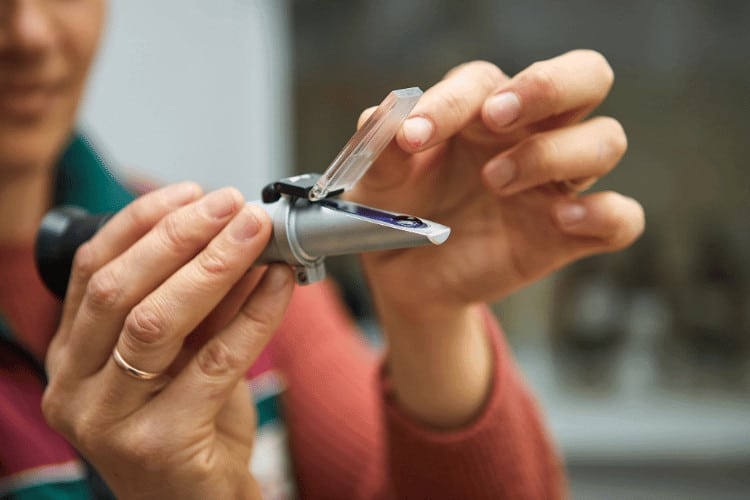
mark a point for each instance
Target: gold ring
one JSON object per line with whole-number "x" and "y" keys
{"x": 130, "y": 369}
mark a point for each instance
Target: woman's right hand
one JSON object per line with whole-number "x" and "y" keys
{"x": 170, "y": 261}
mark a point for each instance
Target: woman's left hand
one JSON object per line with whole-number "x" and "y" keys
{"x": 502, "y": 162}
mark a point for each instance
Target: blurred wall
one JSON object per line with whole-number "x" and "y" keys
{"x": 189, "y": 89}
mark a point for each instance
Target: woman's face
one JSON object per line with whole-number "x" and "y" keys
{"x": 46, "y": 48}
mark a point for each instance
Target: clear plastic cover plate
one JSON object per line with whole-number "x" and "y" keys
{"x": 367, "y": 143}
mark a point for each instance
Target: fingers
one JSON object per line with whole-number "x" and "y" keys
{"x": 586, "y": 150}
{"x": 365, "y": 115}
{"x": 225, "y": 310}
{"x": 215, "y": 370}
{"x": 562, "y": 89}
{"x": 123, "y": 282}
{"x": 125, "y": 227}
{"x": 154, "y": 330}
{"x": 600, "y": 222}
{"x": 450, "y": 105}
{"x": 575, "y": 81}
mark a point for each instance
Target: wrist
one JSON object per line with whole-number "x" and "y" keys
{"x": 441, "y": 370}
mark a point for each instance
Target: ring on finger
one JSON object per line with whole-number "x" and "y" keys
{"x": 132, "y": 370}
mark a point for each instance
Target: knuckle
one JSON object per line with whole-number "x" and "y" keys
{"x": 455, "y": 105}
{"x": 618, "y": 137}
{"x": 236, "y": 196}
{"x": 228, "y": 197}
{"x": 175, "y": 234}
{"x": 78, "y": 427}
{"x": 542, "y": 80}
{"x": 541, "y": 155}
{"x": 164, "y": 197}
{"x": 138, "y": 212}
{"x": 83, "y": 431}
{"x": 54, "y": 359}
{"x": 84, "y": 261}
{"x": 614, "y": 142}
{"x": 638, "y": 224}
{"x": 203, "y": 468}
{"x": 455, "y": 70}
{"x": 488, "y": 72}
{"x": 261, "y": 319}
{"x": 142, "y": 443}
{"x": 104, "y": 291}
{"x": 53, "y": 408}
{"x": 480, "y": 66}
{"x": 144, "y": 326}
{"x": 216, "y": 359}
{"x": 627, "y": 228}
{"x": 214, "y": 262}
{"x": 602, "y": 65}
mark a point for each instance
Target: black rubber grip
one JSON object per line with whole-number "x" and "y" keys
{"x": 61, "y": 232}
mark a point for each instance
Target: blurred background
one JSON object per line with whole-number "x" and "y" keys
{"x": 641, "y": 359}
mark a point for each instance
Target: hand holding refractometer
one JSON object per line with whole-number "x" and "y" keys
{"x": 309, "y": 222}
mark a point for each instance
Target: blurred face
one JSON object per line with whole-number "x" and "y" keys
{"x": 46, "y": 48}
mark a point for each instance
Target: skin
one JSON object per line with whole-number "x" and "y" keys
{"x": 173, "y": 262}
{"x": 494, "y": 170}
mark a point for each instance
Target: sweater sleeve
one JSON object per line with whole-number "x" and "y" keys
{"x": 503, "y": 453}
{"x": 349, "y": 439}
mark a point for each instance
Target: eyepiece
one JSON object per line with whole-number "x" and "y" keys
{"x": 60, "y": 233}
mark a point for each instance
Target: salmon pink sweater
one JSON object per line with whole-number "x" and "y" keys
{"x": 348, "y": 438}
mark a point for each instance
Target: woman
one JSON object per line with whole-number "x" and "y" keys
{"x": 501, "y": 160}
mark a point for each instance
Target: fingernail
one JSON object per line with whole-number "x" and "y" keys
{"x": 570, "y": 214}
{"x": 418, "y": 131}
{"x": 503, "y": 109}
{"x": 182, "y": 193}
{"x": 500, "y": 172}
{"x": 245, "y": 224}
{"x": 219, "y": 204}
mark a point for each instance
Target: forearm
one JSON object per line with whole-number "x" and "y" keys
{"x": 440, "y": 364}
